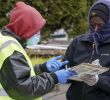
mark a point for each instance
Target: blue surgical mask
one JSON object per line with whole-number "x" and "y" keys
{"x": 34, "y": 39}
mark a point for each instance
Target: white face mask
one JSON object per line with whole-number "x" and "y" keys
{"x": 34, "y": 39}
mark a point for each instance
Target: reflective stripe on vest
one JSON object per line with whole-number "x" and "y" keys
{"x": 7, "y": 46}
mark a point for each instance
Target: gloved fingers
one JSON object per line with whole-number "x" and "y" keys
{"x": 57, "y": 57}
{"x": 60, "y": 64}
{"x": 57, "y": 63}
{"x": 63, "y": 75}
{"x": 71, "y": 73}
{"x": 74, "y": 73}
{"x": 64, "y": 62}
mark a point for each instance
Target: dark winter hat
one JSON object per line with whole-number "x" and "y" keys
{"x": 100, "y": 10}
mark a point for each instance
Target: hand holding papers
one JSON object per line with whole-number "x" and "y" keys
{"x": 87, "y": 71}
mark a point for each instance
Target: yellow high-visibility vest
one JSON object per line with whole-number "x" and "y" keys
{"x": 7, "y": 46}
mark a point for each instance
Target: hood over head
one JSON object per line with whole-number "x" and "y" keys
{"x": 25, "y": 21}
{"x": 102, "y": 9}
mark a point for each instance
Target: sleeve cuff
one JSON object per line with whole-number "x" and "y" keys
{"x": 40, "y": 68}
{"x": 53, "y": 75}
{"x": 43, "y": 67}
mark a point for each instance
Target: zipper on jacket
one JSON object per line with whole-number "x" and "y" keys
{"x": 93, "y": 51}
{"x": 90, "y": 61}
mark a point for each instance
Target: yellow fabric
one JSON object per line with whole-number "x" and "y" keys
{"x": 7, "y": 51}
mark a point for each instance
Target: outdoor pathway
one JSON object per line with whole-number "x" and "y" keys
{"x": 59, "y": 93}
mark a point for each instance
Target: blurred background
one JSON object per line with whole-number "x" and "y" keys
{"x": 71, "y": 15}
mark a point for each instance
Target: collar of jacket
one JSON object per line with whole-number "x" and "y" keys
{"x": 6, "y": 32}
{"x": 85, "y": 38}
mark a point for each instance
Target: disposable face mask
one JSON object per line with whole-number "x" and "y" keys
{"x": 34, "y": 39}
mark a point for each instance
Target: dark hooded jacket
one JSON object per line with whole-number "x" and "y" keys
{"x": 82, "y": 50}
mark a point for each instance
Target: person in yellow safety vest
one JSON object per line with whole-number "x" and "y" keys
{"x": 19, "y": 81}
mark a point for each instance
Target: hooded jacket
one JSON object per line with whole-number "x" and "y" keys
{"x": 82, "y": 50}
{"x": 25, "y": 21}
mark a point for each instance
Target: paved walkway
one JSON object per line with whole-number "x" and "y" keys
{"x": 59, "y": 93}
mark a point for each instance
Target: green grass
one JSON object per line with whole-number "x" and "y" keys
{"x": 39, "y": 60}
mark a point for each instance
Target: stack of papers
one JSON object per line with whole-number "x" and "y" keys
{"x": 86, "y": 68}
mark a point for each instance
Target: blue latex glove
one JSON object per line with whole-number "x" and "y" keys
{"x": 63, "y": 75}
{"x": 54, "y": 64}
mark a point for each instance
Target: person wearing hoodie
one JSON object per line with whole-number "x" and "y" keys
{"x": 19, "y": 81}
{"x": 94, "y": 48}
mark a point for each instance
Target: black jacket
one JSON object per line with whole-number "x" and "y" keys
{"x": 81, "y": 50}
